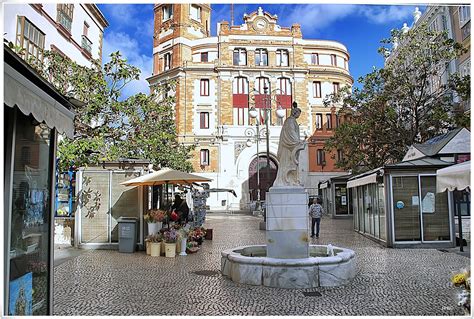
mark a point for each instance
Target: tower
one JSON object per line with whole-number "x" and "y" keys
{"x": 174, "y": 26}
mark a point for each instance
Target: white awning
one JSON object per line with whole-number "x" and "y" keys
{"x": 30, "y": 99}
{"x": 453, "y": 177}
{"x": 323, "y": 185}
{"x": 369, "y": 179}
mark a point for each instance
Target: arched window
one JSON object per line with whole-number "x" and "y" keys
{"x": 283, "y": 96}
{"x": 262, "y": 97}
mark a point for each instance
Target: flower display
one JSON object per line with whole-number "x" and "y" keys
{"x": 197, "y": 234}
{"x": 170, "y": 235}
{"x": 463, "y": 281}
{"x": 154, "y": 216}
{"x": 157, "y": 238}
{"x": 183, "y": 232}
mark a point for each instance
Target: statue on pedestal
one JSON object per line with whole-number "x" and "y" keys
{"x": 289, "y": 147}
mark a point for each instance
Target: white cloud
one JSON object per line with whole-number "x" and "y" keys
{"x": 313, "y": 17}
{"x": 129, "y": 48}
{"x": 125, "y": 13}
{"x": 387, "y": 14}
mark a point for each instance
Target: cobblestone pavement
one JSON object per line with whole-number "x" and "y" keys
{"x": 389, "y": 281}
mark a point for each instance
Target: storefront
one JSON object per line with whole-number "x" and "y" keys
{"x": 398, "y": 205}
{"x": 336, "y": 197}
{"x": 34, "y": 114}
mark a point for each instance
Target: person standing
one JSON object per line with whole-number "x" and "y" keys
{"x": 316, "y": 212}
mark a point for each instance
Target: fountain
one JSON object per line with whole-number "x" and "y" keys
{"x": 287, "y": 260}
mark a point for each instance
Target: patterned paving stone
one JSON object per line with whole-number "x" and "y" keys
{"x": 389, "y": 281}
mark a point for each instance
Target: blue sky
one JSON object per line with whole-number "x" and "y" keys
{"x": 360, "y": 27}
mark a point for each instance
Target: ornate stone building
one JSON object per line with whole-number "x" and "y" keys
{"x": 221, "y": 78}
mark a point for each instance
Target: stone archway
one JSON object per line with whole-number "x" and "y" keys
{"x": 267, "y": 177}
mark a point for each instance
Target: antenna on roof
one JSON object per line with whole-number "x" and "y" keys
{"x": 231, "y": 14}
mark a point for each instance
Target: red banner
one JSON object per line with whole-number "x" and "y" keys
{"x": 240, "y": 100}
{"x": 284, "y": 101}
{"x": 261, "y": 100}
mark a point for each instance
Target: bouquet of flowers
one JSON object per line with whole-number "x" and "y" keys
{"x": 154, "y": 216}
{"x": 197, "y": 234}
{"x": 463, "y": 281}
{"x": 183, "y": 232}
{"x": 170, "y": 235}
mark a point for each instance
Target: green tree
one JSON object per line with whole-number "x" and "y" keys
{"x": 408, "y": 101}
{"x": 109, "y": 127}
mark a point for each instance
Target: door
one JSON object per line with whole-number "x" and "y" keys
{"x": 267, "y": 177}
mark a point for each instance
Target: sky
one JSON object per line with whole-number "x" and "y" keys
{"x": 360, "y": 27}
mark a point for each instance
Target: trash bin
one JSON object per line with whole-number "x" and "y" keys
{"x": 127, "y": 234}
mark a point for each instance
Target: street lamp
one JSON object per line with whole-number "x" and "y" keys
{"x": 254, "y": 114}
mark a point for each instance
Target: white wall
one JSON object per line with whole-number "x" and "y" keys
{"x": 52, "y": 36}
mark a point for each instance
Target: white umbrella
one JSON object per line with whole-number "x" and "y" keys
{"x": 454, "y": 177}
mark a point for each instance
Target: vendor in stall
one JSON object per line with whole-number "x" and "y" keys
{"x": 181, "y": 208}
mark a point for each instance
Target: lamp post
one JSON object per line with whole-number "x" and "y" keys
{"x": 254, "y": 114}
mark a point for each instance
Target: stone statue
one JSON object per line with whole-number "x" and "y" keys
{"x": 288, "y": 150}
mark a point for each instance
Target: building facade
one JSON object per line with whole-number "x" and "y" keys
{"x": 220, "y": 79}
{"x": 73, "y": 30}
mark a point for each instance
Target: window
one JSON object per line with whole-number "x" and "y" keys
{"x": 345, "y": 64}
{"x": 444, "y": 22}
{"x": 167, "y": 12}
{"x": 205, "y": 157}
{"x": 29, "y": 37}
{"x": 314, "y": 58}
{"x": 319, "y": 121}
{"x": 328, "y": 121}
{"x": 240, "y": 99}
{"x": 434, "y": 27}
{"x": 281, "y": 57}
{"x": 240, "y": 57}
{"x": 333, "y": 60}
{"x": 204, "y": 87}
{"x": 167, "y": 60}
{"x": 85, "y": 29}
{"x": 195, "y": 12}
{"x": 320, "y": 157}
{"x": 204, "y": 120}
{"x": 317, "y": 89}
{"x": 340, "y": 155}
{"x": 86, "y": 44}
{"x": 464, "y": 14}
{"x": 204, "y": 57}
{"x": 337, "y": 121}
{"x": 335, "y": 87}
{"x": 65, "y": 13}
{"x": 261, "y": 57}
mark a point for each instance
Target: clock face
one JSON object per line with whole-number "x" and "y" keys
{"x": 260, "y": 24}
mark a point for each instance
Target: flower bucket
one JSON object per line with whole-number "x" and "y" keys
{"x": 178, "y": 245}
{"x": 153, "y": 228}
{"x": 148, "y": 247}
{"x": 170, "y": 249}
{"x": 155, "y": 249}
{"x": 163, "y": 250}
{"x": 183, "y": 247}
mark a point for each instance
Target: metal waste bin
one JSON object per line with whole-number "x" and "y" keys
{"x": 127, "y": 234}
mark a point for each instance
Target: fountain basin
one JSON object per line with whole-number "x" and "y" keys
{"x": 249, "y": 265}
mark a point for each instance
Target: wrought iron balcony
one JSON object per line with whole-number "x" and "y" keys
{"x": 86, "y": 44}
{"x": 65, "y": 20}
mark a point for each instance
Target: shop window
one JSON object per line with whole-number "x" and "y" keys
{"x": 204, "y": 157}
{"x": 435, "y": 212}
{"x": 317, "y": 89}
{"x": 261, "y": 57}
{"x": 282, "y": 57}
{"x": 204, "y": 120}
{"x": 329, "y": 121}
{"x": 204, "y": 91}
{"x": 195, "y": 12}
{"x": 65, "y": 14}
{"x": 30, "y": 38}
{"x": 240, "y": 57}
{"x": 204, "y": 57}
{"x": 406, "y": 208}
{"x": 319, "y": 121}
{"x": 320, "y": 157}
{"x": 167, "y": 12}
{"x": 167, "y": 61}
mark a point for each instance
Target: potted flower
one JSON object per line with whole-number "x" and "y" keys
{"x": 148, "y": 244}
{"x": 155, "y": 245}
{"x": 170, "y": 236}
{"x": 154, "y": 219}
{"x": 463, "y": 281}
{"x": 197, "y": 235}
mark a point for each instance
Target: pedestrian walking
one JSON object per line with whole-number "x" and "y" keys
{"x": 316, "y": 212}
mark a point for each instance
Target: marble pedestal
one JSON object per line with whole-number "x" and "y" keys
{"x": 287, "y": 222}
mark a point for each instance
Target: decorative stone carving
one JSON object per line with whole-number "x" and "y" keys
{"x": 289, "y": 147}
{"x": 238, "y": 148}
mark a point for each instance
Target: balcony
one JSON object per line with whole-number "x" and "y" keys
{"x": 86, "y": 44}
{"x": 65, "y": 21}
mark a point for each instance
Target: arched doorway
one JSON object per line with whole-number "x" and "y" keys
{"x": 267, "y": 176}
